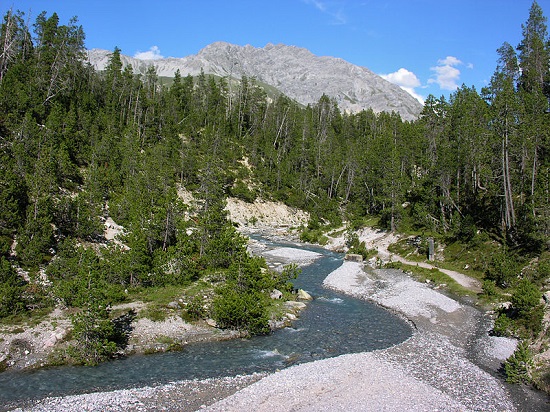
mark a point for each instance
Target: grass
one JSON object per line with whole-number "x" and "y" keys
{"x": 28, "y": 319}
{"x": 160, "y": 295}
{"x": 471, "y": 259}
{"x": 407, "y": 250}
{"x": 154, "y": 313}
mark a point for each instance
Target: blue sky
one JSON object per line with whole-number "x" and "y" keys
{"x": 428, "y": 46}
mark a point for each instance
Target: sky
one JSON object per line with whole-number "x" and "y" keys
{"x": 425, "y": 46}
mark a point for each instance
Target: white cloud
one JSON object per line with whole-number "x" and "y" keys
{"x": 328, "y": 8}
{"x": 318, "y": 4}
{"x": 407, "y": 80}
{"x": 152, "y": 54}
{"x": 446, "y": 74}
{"x": 402, "y": 77}
{"x": 449, "y": 61}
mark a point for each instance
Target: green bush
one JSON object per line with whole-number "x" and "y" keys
{"x": 526, "y": 306}
{"x": 195, "y": 308}
{"x": 525, "y": 298}
{"x": 241, "y": 191}
{"x": 502, "y": 325}
{"x": 501, "y": 270}
{"x": 315, "y": 235}
{"x": 98, "y": 338}
{"x": 355, "y": 246}
{"x": 233, "y": 309}
{"x": 517, "y": 367}
{"x": 11, "y": 290}
{"x": 489, "y": 288}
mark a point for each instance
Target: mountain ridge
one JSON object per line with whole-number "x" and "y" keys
{"x": 294, "y": 71}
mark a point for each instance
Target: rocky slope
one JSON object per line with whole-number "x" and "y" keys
{"x": 294, "y": 71}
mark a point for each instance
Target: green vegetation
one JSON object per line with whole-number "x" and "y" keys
{"x": 79, "y": 146}
{"x": 517, "y": 367}
{"x": 357, "y": 247}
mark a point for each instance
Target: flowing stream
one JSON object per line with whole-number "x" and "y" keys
{"x": 332, "y": 324}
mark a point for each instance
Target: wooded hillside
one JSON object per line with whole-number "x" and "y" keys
{"x": 78, "y": 145}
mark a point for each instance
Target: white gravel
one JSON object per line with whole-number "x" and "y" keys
{"x": 426, "y": 373}
{"x": 405, "y": 295}
{"x": 294, "y": 255}
{"x": 360, "y": 382}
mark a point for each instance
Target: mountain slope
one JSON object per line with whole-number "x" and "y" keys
{"x": 294, "y": 71}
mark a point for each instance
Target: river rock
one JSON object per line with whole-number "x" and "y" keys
{"x": 354, "y": 257}
{"x": 303, "y": 295}
{"x": 276, "y": 294}
{"x": 211, "y": 322}
{"x": 292, "y": 304}
{"x": 54, "y": 338}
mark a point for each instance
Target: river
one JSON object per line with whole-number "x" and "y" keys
{"x": 332, "y": 324}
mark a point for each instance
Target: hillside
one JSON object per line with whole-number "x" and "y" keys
{"x": 294, "y": 71}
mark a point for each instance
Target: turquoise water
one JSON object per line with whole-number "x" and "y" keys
{"x": 333, "y": 324}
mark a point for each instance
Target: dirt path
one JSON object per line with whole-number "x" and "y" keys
{"x": 381, "y": 240}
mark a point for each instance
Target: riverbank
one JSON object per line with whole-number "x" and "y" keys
{"x": 437, "y": 369}
{"x": 448, "y": 365}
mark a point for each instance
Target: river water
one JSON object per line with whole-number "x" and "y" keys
{"x": 332, "y": 324}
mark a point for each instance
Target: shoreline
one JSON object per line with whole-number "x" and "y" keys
{"x": 431, "y": 370}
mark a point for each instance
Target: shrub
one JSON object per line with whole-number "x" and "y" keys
{"x": 517, "y": 367}
{"x": 241, "y": 191}
{"x": 526, "y": 305}
{"x": 98, "y": 338}
{"x": 11, "y": 289}
{"x": 195, "y": 308}
{"x": 501, "y": 270}
{"x": 232, "y": 309}
{"x": 313, "y": 236}
{"x": 502, "y": 325}
{"x": 489, "y": 288}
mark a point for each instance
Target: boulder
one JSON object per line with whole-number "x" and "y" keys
{"x": 211, "y": 322}
{"x": 292, "y": 304}
{"x": 276, "y": 294}
{"x": 353, "y": 257}
{"x": 303, "y": 295}
{"x": 504, "y": 306}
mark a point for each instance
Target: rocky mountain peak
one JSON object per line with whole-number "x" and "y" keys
{"x": 294, "y": 71}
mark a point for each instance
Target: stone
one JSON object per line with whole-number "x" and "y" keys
{"x": 173, "y": 305}
{"x": 292, "y": 304}
{"x": 303, "y": 295}
{"x": 353, "y": 257}
{"x": 276, "y": 294}
{"x": 211, "y": 322}
{"x": 504, "y": 305}
{"x": 546, "y": 297}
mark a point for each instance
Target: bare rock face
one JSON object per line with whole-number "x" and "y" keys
{"x": 293, "y": 71}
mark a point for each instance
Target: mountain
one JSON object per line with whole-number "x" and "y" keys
{"x": 294, "y": 71}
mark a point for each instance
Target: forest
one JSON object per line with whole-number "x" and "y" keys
{"x": 78, "y": 146}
